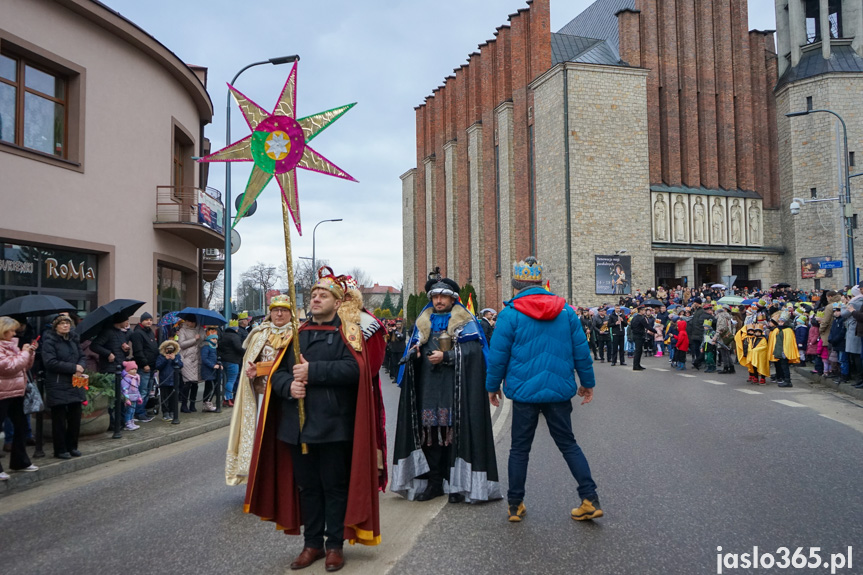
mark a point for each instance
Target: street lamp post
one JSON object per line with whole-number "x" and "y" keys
{"x": 846, "y": 200}
{"x": 227, "y": 224}
{"x": 314, "y": 261}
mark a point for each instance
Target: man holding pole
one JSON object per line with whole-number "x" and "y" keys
{"x": 315, "y": 459}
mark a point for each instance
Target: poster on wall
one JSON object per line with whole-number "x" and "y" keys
{"x": 810, "y": 268}
{"x": 613, "y": 275}
{"x": 210, "y": 212}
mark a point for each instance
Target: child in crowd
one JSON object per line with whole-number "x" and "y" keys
{"x": 813, "y": 340}
{"x": 659, "y": 337}
{"x": 758, "y": 356}
{"x": 168, "y": 365}
{"x": 210, "y": 366}
{"x": 131, "y": 395}
{"x": 709, "y": 347}
{"x": 801, "y": 334}
{"x": 681, "y": 346}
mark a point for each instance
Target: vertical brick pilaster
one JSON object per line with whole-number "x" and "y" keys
{"x": 462, "y": 198}
{"x": 725, "y": 95}
{"x": 772, "y": 127}
{"x": 521, "y": 153}
{"x": 760, "y": 147}
{"x": 440, "y": 208}
{"x": 744, "y": 135}
{"x": 539, "y": 31}
{"x": 489, "y": 205}
{"x": 420, "y": 199}
{"x": 707, "y": 137}
{"x": 628, "y": 22}
{"x": 687, "y": 49}
{"x": 669, "y": 85}
{"x": 650, "y": 60}
{"x": 502, "y": 73}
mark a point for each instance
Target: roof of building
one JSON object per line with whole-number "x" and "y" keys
{"x": 378, "y": 289}
{"x": 843, "y": 58}
{"x": 567, "y": 48}
{"x": 599, "y": 21}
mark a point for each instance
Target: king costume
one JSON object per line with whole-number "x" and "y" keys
{"x": 444, "y": 442}
{"x": 331, "y": 491}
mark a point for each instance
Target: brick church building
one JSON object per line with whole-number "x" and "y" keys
{"x": 644, "y": 143}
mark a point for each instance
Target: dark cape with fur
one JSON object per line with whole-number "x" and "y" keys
{"x": 473, "y": 468}
{"x": 272, "y": 493}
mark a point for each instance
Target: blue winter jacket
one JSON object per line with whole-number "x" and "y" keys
{"x": 208, "y": 362}
{"x": 167, "y": 367}
{"x": 538, "y": 344}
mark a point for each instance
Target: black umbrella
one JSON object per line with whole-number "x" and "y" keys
{"x": 29, "y": 305}
{"x": 110, "y": 313}
{"x": 781, "y": 285}
{"x": 653, "y": 303}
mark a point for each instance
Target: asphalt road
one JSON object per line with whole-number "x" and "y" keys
{"x": 682, "y": 466}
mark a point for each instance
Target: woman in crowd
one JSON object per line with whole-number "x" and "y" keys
{"x": 14, "y": 364}
{"x": 189, "y": 338}
{"x": 63, "y": 358}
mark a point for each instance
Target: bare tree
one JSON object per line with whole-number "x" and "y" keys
{"x": 362, "y": 277}
{"x": 305, "y": 276}
{"x": 214, "y": 291}
{"x": 262, "y": 276}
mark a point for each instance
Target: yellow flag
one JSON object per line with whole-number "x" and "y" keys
{"x": 469, "y": 305}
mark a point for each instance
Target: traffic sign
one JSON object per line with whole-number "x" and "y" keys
{"x": 831, "y": 265}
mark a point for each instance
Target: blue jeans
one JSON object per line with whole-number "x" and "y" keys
{"x": 558, "y": 416}
{"x": 844, "y": 363}
{"x": 232, "y": 372}
{"x": 144, "y": 388}
{"x": 129, "y": 412}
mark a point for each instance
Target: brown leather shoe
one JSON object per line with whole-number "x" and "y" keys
{"x": 308, "y": 556}
{"x": 335, "y": 559}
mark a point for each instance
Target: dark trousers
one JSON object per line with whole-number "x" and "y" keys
{"x": 783, "y": 372}
{"x": 323, "y": 476}
{"x": 438, "y": 457}
{"x": 604, "y": 345}
{"x": 558, "y": 416}
{"x": 13, "y": 408}
{"x": 618, "y": 350}
{"x": 189, "y": 393}
{"x": 592, "y": 344}
{"x": 639, "y": 349}
{"x": 695, "y": 350}
{"x": 857, "y": 365}
{"x": 65, "y": 427}
{"x": 166, "y": 394}
{"x": 209, "y": 388}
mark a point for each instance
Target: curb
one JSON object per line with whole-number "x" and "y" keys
{"x": 846, "y": 388}
{"x": 20, "y": 481}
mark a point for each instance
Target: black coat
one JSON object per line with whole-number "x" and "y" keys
{"x": 231, "y": 347}
{"x": 331, "y": 394}
{"x": 61, "y": 356}
{"x": 109, "y": 341}
{"x": 639, "y": 326}
{"x": 145, "y": 348}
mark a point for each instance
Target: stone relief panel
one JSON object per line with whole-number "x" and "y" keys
{"x": 700, "y": 225}
{"x": 680, "y": 218}
{"x": 661, "y": 212}
{"x": 754, "y": 223}
{"x": 736, "y": 222}
{"x": 718, "y": 221}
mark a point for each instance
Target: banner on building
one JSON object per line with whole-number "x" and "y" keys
{"x": 613, "y": 275}
{"x": 810, "y": 268}
{"x": 210, "y": 212}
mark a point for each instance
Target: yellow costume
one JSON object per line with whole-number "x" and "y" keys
{"x": 739, "y": 338}
{"x": 789, "y": 345}
{"x": 758, "y": 356}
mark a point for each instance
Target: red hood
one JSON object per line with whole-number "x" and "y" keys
{"x": 681, "y": 326}
{"x": 540, "y": 306}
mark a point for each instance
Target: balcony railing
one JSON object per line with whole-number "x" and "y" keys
{"x": 192, "y": 214}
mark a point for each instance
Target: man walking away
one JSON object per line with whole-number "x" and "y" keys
{"x": 640, "y": 328}
{"x": 538, "y": 346}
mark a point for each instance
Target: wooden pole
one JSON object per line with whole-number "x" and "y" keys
{"x": 295, "y": 323}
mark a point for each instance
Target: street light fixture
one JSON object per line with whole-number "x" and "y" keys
{"x": 314, "y": 261}
{"x": 227, "y": 226}
{"x": 844, "y": 200}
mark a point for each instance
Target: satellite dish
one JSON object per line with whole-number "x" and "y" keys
{"x": 252, "y": 209}
{"x": 235, "y": 241}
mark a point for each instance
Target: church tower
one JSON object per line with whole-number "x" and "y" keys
{"x": 820, "y": 52}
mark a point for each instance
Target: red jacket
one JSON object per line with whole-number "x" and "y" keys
{"x": 14, "y": 364}
{"x": 682, "y": 336}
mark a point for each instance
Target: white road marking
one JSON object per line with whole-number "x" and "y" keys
{"x": 714, "y": 382}
{"x": 506, "y": 406}
{"x": 788, "y": 403}
{"x": 750, "y": 391}
{"x": 659, "y": 369}
{"x": 685, "y": 375}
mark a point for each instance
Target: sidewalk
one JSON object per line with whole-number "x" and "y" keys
{"x": 846, "y": 388}
{"x": 101, "y": 448}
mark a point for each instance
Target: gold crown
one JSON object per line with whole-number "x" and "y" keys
{"x": 280, "y": 300}
{"x": 527, "y": 270}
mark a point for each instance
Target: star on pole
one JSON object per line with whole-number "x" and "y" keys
{"x": 278, "y": 144}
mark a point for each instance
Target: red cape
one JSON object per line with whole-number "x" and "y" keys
{"x": 271, "y": 493}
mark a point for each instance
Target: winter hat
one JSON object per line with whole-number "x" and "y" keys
{"x": 129, "y": 365}
{"x": 169, "y": 346}
{"x": 145, "y": 316}
{"x": 60, "y": 319}
{"x": 526, "y": 273}
{"x": 213, "y": 339}
{"x": 855, "y": 291}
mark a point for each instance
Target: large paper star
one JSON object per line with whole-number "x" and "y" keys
{"x": 278, "y": 144}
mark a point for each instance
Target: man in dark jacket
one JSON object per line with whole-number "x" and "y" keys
{"x": 145, "y": 351}
{"x": 600, "y": 331}
{"x": 112, "y": 345}
{"x": 639, "y": 327}
{"x": 616, "y": 326}
{"x": 231, "y": 353}
{"x": 487, "y": 323}
{"x": 696, "y": 331}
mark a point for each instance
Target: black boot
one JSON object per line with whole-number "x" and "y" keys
{"x": 432, "y": 491}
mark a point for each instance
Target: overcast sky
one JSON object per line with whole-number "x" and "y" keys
{"x": 386, "y": 56}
